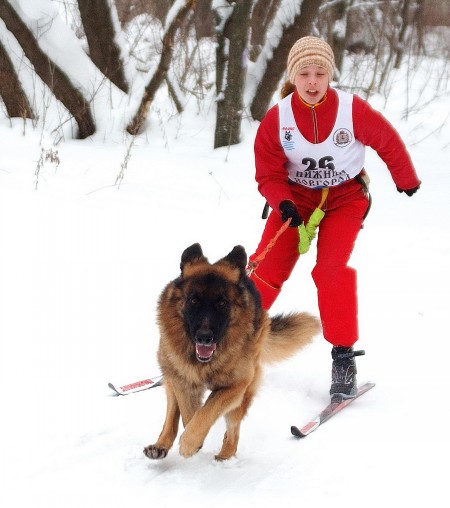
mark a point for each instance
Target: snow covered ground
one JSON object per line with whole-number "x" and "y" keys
{"x": 82, "y": 262}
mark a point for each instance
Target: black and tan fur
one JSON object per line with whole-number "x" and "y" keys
{"x": 215, "y": 336}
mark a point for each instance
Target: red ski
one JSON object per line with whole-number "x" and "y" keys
{"x": 328, "y": 412}
{"x": 138, "y": 386}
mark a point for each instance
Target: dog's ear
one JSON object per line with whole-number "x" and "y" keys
{"x": 237, "y": 257}
{"x": 192, "y": 254}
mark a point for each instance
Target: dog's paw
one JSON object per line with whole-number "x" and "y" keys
{"x": 188, "y": 446}
{"x": 155, "y": 452}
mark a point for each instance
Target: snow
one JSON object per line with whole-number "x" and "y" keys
{"x": 82, "y": 262}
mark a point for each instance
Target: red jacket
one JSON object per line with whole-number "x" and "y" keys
{"x": 315, "y": 123}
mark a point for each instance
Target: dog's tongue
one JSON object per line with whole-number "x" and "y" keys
{"x": 205, "y": 351}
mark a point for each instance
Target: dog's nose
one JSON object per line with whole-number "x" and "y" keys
{"x": 204, "y": 336}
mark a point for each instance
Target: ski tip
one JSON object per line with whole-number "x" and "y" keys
{"x": 295, "y": 431}
{"x": 305, "y": 430}
{"x": 114, "y": 389}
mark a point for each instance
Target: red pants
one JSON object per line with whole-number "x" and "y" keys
{"x": 335, "y": 281}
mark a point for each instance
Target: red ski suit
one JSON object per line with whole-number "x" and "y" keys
{"x": 344, "y": 209}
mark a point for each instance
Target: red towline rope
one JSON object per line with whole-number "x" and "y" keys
{"x": 255, "y": 262}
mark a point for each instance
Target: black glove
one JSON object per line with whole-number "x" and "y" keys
{"x": 409, "y": 192}
{"x": 289, "y": 210}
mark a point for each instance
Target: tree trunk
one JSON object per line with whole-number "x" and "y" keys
{"x": 11, "y": 91}
{"x": 160, "y": 74}
{"x": 48, "y": 71}
{"x": 262, "y": 16}
{"x": 400, "y": 46}
{"x": 97, "y": 19}
{"x": 420, "y": 24}
{"x": 337, "y": 38}
{"x": 231, "y": 75}
{"x": 276, "y": 65}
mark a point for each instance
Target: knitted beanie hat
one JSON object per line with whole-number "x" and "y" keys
{"x": 310, "y": 51}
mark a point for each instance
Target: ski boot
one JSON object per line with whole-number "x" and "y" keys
{"x": 343, "y": 374}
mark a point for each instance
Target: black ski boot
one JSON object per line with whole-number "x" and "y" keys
{"x": 343, "y": 374}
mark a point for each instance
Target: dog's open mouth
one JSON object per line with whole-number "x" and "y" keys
{"x": 204, "y": 353}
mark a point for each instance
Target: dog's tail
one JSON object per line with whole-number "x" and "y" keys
{"x": 289, "y": 333}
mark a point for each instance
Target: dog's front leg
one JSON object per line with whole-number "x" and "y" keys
{"x": 218, "y": 403}
{"x": 234, "y": 419}
{"x": 169, "y": 432}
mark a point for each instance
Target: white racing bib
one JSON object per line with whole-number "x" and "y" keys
{"x": 334, "y": 161}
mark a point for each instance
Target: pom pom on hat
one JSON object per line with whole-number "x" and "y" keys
{"x": 310, "y": 51}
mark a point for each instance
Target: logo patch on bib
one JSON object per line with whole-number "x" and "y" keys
{"x": 288, "y": 144}
{"x": 342, "y": 137}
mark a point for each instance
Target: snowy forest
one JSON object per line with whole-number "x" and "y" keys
{"x": 127, "y": 133}
{"x": 230, "y": 52}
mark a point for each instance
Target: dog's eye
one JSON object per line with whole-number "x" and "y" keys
{"x": 221, "y": 303}
{"x": 193, "y": 300}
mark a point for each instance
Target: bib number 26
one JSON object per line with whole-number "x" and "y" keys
{"x": 323, "y": 163}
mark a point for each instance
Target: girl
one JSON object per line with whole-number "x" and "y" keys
{"x": 309, "y": 154}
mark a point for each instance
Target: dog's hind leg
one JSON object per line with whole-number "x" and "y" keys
{"x": 161, "y": 448}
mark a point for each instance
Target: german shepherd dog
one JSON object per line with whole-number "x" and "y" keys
{"x": 214, "y": 335}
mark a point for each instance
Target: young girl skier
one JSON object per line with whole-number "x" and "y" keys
{"x": 309, "y": 155}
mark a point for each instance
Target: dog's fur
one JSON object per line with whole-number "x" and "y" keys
{"x": 215, "y": 336}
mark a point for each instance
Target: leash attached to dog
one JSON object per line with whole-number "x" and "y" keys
{"x": 255, "y": 262}
{"x": 306, "y": 233}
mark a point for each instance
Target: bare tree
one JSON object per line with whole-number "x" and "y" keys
{"x": 262, "y": 16}
{"x": 127, "y": 9}
{"x": 48, "y": 71}
{"x": 275, "y": 66}
{"x": 97, "y": 19}
{"x": 232, "y": 29}
{"x": 420, "y": 24}
{"x": 370, "y": 35}
{"x": 11, "y": 90}
{"x": 176, "y": 18}
{"x": 405, "y": 23}
{"x": 331, "y": 23}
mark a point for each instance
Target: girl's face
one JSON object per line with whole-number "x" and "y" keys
{"x": 311, "y": 83}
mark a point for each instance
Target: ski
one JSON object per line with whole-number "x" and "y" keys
{"x": 138, "y": 386}
{"x": 328, "y": 412}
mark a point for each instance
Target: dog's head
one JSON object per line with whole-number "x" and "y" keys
{"x": 210, "y": 293}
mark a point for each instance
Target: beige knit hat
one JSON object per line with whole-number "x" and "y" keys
{"x": 310, "y": 51}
